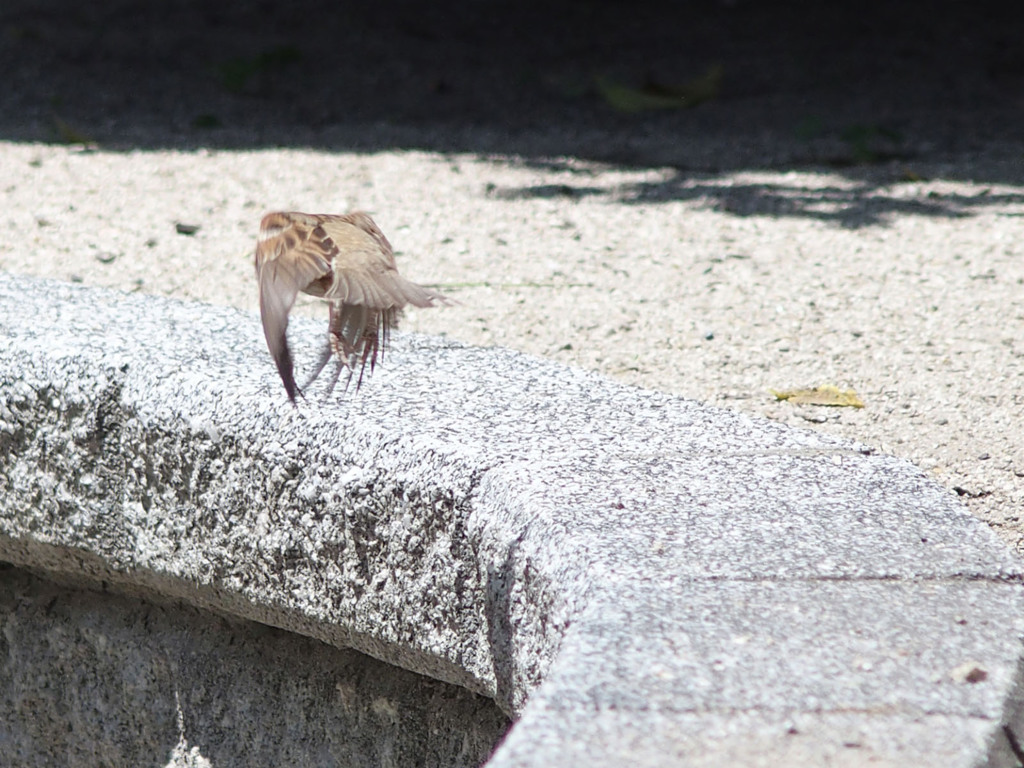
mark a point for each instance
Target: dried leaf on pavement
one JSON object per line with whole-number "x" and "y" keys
{"x": 823, "y": 395}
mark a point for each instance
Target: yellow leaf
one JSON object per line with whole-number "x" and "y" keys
{"x": 659, "y": 95}
{"x": 626, "y": 99}
{"x": 693, "y": 91}
{"x": 824, "y": 395}
{"x": 70, "y": 135}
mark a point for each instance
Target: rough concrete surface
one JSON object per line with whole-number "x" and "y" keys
{"x": 94, "y": 679}
{"x": 845, "y": 209}
{"x": 640, "y": 577}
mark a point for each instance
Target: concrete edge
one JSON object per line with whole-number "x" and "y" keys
{"x": 146, "y": 443}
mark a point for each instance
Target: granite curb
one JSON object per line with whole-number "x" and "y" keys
{"x": 633, "y": 577}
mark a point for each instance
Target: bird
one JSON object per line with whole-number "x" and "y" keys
{"x": 346, "y": 260}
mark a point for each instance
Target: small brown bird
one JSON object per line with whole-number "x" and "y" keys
{"x": 345, "y": 260}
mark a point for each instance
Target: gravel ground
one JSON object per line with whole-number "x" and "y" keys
{"x": 849, "y": 216}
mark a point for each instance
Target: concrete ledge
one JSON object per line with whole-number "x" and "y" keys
{"x": 637, "y": 578}
{"x": 92, "y": 678}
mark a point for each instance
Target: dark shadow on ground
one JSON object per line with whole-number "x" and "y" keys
{"x": 703, "y": 87}
{"x": 870, "y": 196}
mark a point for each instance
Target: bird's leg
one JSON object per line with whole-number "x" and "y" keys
{"x": 342, "y": 365}
{"x": 341, "y": 349}
{"x": 352, "y": 337}
{"x": 321, "y": 362}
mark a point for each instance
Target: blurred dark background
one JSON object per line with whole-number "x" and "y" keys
{"x": 703, "y": 85}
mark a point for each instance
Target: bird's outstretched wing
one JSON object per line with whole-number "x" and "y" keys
{"x": 364, "y": 266}
{"x": 366, "y": 293}
{"x": 288, "y": 260}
